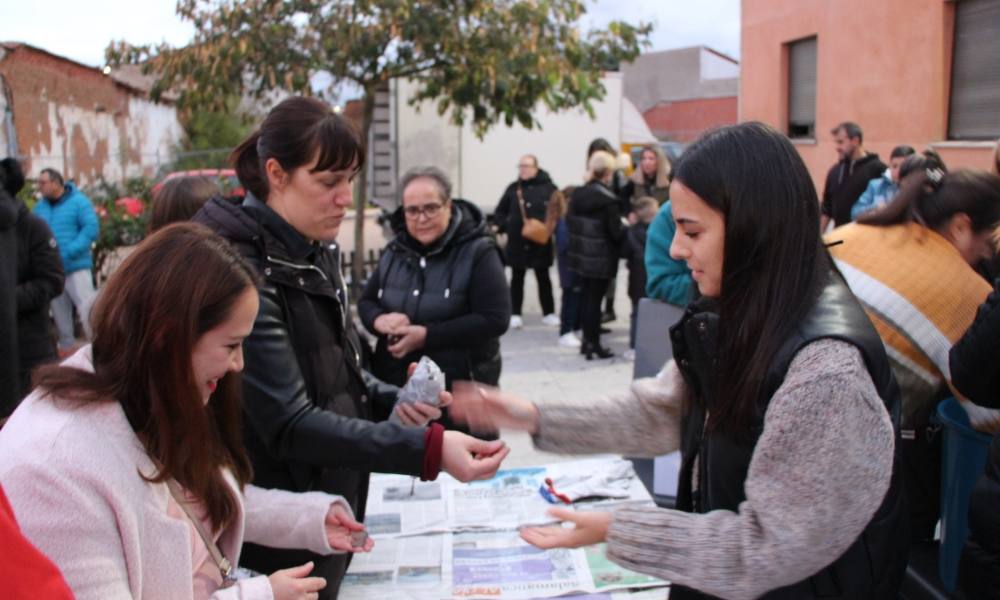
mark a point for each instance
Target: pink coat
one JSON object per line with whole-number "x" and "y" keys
{"x": 72, "y": 477}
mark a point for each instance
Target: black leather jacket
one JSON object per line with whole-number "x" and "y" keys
{"x": 310, "y": 408}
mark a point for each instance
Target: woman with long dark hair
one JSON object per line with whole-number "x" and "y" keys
{"x": 779, "y": 398}
{"x": 126, "y": 465}
{"x": 317, "y": 418}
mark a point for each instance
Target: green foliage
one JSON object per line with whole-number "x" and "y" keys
{"x": 29, "y": 194}
{"x": 210, "y": 135}
{"x": 485, "y": 60}
{"x": 118, "y": 227}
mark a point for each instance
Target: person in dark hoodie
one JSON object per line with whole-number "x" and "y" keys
{"x": 847, "y": 179}
{"x": 439, "y": 289}
{"x": 9, "y": 386}
{"x": 39, "y": 279}
{"x": 595, "y": 233}
{"x": 315, "y": 419}
{"x": 530, "y": 195}
{"x": 973, "y": 373}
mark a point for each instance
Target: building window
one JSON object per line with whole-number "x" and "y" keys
{"x": 802, "y": 88}
{"x": 974, "y": 112}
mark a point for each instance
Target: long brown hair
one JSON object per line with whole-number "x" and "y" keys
{"x": 180, "y": 199}
{"x": 179, "y": 283}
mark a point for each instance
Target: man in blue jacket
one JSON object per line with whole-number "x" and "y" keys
{"x": 71, "y": 217}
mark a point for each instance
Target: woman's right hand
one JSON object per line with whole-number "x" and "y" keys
{"x": 388, "y": 323}
{"x": 487, "y": 409}
{"x": 294, "y": 583}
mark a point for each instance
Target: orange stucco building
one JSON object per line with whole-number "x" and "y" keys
{"x": 885, "y": 64}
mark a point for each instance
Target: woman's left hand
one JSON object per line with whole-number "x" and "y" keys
{"x": 420, "y": 414}
{"x": 589, "y": 528}
{"x": 410, "y": 338}
{"x": 340, "y": 525}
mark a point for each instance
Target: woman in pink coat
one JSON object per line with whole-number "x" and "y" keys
{"x": 126, "y": 465}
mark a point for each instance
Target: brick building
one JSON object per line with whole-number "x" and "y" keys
{"x": 681, "y": 93}
{"x": 55, "y": 112}
{"x": 920, "y": 73}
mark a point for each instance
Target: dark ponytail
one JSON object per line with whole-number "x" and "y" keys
{"x": 297, "y": 132}
{"x": 930, "y": 196}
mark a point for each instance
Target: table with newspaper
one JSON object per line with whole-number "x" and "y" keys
{"x": 445, "y": 539}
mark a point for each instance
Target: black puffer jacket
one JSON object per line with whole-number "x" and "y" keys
{"x": 456, "y": 288}
{"x": 40, "y": 278}
{"x": 537, "y": 191}
{"x": 974, "y": 374}
{"x": 595, "y": 231}
{"x": 9, "y": 387}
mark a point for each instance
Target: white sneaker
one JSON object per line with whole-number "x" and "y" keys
{"x": 629, "y": 354}
{"x": 516, "y": 322}
{"x": 568, "y": 340}
{"x": 551, "y": 320}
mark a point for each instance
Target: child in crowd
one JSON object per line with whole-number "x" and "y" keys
{"x": 633, "y": 250}
{"x": 569, "y": 282}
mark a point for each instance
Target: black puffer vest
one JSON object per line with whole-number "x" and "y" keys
{"x": 873, "y": 566}
{"x": 431, "y": 285}
{"x": 592, "y": 251}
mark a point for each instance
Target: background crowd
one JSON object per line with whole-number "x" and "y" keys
{"x": 844, "y": 319}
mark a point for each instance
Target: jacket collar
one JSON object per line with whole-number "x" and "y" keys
{"x": 297, "y": 246}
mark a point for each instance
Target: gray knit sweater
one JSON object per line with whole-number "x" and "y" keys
{"x": 818, "y": 474}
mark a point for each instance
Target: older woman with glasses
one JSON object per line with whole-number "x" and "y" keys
{"x": 439, "y": 289}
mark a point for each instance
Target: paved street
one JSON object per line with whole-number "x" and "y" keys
{"x": 535, "y": 366}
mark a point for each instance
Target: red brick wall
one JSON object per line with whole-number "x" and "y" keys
{"x": 74, "y": 118}
{"x": 685, "y": 120}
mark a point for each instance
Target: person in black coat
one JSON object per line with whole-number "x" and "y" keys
{"x": 40, "y": 278}
{"x": 595, "y": 233}
{"x": 439, "y": 289}
{"x": 536, "y": 188}
{"x": 974, "y": 374}
{"x": 9, "y": 386}
{"x": 315, "y": 418}
{"x": 633, "y": 250}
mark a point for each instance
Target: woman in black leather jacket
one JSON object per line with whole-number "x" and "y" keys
{"x": 315, "y": 417}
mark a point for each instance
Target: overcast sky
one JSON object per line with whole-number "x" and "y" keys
{"x": 81, "y": 30}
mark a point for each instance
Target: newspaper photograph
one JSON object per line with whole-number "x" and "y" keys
{"x": 404, "y": 567}
{"x": 510, "y": 500}
{"x": 401, "y": 505}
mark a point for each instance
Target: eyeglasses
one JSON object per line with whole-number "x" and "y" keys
{"x": 428, "y": 210}
{"x": 525, "y": 166}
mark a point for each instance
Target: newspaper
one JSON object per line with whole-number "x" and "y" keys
{"x": 509, "y": 500}
{"x": 401, "y": 505}
{"x": 405, "y": 567}
{"x": 446, "y": 539}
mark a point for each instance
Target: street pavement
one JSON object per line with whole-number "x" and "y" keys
{"x": 535, "y": 366}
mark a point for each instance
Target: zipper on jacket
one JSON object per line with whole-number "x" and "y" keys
{"x": 292, "y": 265}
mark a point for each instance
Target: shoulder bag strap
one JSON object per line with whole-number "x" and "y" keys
{"x": 225, "y": 567}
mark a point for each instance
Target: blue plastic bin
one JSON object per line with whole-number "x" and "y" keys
{"x": 963, "y": 459}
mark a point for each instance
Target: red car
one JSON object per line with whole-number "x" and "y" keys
{"x": 226, "y": 178}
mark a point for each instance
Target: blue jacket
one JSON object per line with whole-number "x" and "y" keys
{"x": 878, "y": 193}
{"x": 74, "y": 224}
{"x": 666, "y": 279}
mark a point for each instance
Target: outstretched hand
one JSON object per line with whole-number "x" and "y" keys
{"x": 340, "y": 526}
{"x": 588, "y": 528}
{"x": 467, "y": 458}
{"x": 488, "y": 409}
